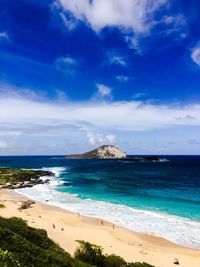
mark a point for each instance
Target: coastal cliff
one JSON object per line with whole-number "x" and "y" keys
{"x": 102, "y": 152}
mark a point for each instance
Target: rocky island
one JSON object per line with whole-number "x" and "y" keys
{"x": 11, "y": 178}
{"x": 111, "y": 152}
{"x": 102, "y": 152}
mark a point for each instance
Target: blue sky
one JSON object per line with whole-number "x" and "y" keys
{"x": 75, "y": 74}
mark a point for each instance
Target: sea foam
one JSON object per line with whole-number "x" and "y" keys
{"x": 179, "y": 230}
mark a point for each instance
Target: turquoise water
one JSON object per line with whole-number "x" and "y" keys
{"x": 157, "y": 197}
{"x": 170, "y": 187}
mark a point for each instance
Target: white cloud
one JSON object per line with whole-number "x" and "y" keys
{"x": 194, "y": 142}
{"x": 139, "y": 95}
{"x": 178, "y": 20}
{"x": 3, "y": 145}
{"x": 104, "y": 92}
{"x": 196, "y": 54}
{"x": 100, "y": 139}
{"x": 29, "y": 124}
{"x": 131, "y": 115}
{"x": 135, "y": 15}
{"x": 4, "y": 36}
{"x": 113, "y": 57}
{"x": 123, "y": 78}
{"x": 67, "y": 65}
{"x": 6, "y": 133}
{"x": 66, "y": 61}
{"x": 134, "y": 18}
{"x": 10, "y": 91}
{"x": 69, "y": 22}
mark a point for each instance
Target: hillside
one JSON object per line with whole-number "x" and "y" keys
{"x": 24, "y": 246}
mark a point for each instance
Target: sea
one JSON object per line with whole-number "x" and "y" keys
{"x": 161, "y": 198}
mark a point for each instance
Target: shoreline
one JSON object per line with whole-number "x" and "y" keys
{"x": 130, "y": 245}
{"x": 107, "y": 222}
{"x": 166, "y": 226}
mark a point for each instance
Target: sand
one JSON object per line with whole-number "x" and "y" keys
{"x": 65, "y": 228}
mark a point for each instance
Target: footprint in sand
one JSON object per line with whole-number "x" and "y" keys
{"x": 131, "y": 244}
{"x": 143, "y": 252}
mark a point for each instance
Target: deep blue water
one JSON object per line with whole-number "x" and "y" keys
{"x": 171, "y": 187}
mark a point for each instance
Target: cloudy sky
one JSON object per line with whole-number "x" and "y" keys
{"x": 76, "y": 74}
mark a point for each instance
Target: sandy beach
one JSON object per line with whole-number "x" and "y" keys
{"x": 66, "y": 227}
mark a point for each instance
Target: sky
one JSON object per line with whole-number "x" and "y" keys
{"x": 77, "y": 74}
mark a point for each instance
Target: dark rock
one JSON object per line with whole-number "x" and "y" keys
{"x": 29, "y": 181}
{"x": 176, "y": 261}
{"x": 141, "y": 159}
{"x": 30, "y": 202}
{"x": 26, "y": 204}
{"x": 46, "y": 181}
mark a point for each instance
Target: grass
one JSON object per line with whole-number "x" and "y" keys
{"x": 9, "y": 175}
{"x": 2, "y": 206}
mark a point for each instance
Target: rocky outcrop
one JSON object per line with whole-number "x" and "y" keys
{"x": 26, "y": 204}
{"x": 102, "y": 152}
{"x": 141, "y": 159}
{"x": 17, "y": 178}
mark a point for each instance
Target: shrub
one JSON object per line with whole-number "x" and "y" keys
{"x": 90, "y": 253}
{"x": 7, "y": 259}
{"x": 93, "y": 254}
{"x": 115, "y": 261}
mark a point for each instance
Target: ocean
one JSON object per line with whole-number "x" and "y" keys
{"x": 160, "y": 198}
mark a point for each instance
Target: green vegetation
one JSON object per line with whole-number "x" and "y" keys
{"x": 24, "y": 246}
{"x": 18, "y": 178}
{"x": 93, "y": 254}
{"x": 2, "y": 206}
{"x": 8, "y": 175}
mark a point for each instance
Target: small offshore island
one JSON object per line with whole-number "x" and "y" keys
{"x": 110, "y": 152}
{"x": 102, "y": 152}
